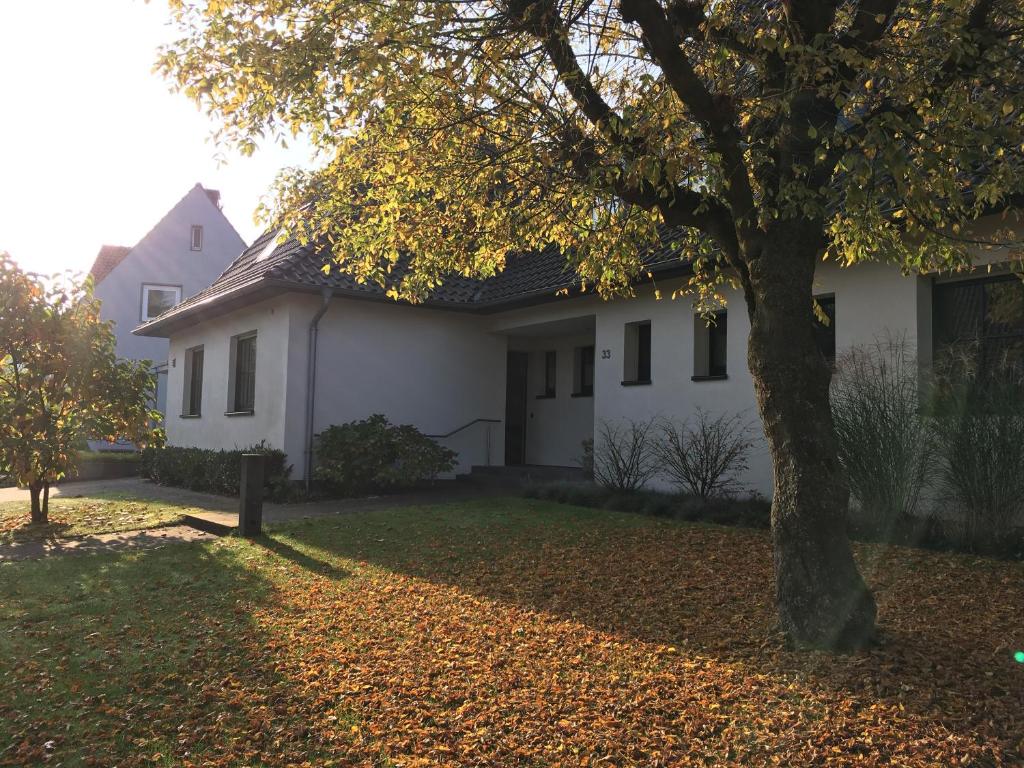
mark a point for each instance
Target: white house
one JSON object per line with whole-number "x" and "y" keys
{"x": 180, "y": 256}
{"x": 275, "y": 350}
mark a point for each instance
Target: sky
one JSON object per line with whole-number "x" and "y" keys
{"x": 94, "y": 148}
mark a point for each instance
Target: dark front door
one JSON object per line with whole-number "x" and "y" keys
{"x": 515, "y": 408}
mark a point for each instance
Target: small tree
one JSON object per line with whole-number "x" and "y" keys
{"x": 61, "y": 381}
{"x": 707, "y": 455}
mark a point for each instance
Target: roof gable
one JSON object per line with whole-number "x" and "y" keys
{"x": 108, "y": 258}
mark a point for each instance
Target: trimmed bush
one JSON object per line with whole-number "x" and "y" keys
{"x": 705, "y": 456}
{"x": 212, "y": 471}
{"x": 374, "y": 455}
{"x": 622, "y": 457}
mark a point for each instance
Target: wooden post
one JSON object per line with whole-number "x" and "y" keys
{"x": 250, "y": 499}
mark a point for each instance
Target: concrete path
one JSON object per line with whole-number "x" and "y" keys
{"x": 103, "y": 542}
{"x": 210, "y": 514}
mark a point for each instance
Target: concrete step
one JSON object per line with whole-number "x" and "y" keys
{"x": 520, "y": 475}
{"x": 217, "y": 523}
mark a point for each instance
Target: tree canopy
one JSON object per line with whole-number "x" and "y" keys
{"x": 60, "y": 379}
{"x": 587, "y": 123}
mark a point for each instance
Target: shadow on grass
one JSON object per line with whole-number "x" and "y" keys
{"x": 165, "y": 652}
{"x": 708, "y": 591}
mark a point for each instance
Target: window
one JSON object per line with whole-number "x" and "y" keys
{"x": 981, "y": 321}
{"x": 550, "y": 373}
{"x": 157, "y": 299}
{"x": 193, "y": 396}
{"x": 825, "y": 334}
{"x": 583, "y": 372}
{"x": 710, "y": 346}
{"x": 197, "y": 237}
{"x": 637, "y": 356}
{"x": 243, "y": 374}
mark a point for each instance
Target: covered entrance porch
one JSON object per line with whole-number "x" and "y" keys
{"x": 549, "y": 392}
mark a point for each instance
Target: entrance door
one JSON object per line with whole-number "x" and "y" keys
{"x": 515, "y": 408}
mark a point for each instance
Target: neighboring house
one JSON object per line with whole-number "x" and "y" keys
{"x": 276, "y": 350}
{"x": 183, "y": 254}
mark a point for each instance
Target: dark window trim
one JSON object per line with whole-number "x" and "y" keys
{"x": 190, "y": 416}
{"x": 713, "y": 331}
{"x": 190, "y": 362}
{"x": 239, "y": 413}
{"x": 236, "y": 370}
{"x": 583, "y": 389}
{"x": 637, "y": 383}
{"x": 717, "y": 377}
{"x": 582, "y": 394}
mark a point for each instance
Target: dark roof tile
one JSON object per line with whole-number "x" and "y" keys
{"x": 108, "y": 258}
{"x": 531, "y": 275}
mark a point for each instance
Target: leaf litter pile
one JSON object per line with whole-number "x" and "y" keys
{"x": 505, "y": 633}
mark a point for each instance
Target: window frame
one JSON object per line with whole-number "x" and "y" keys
{"x": 583, "y": 361}
{"x": 550, "y": 371}
{"x": 196, "y": 229}
{"x": 637, "y": 358}
{"x": 192, "y": 395}
{"x": 704, "y": 336}
{"x": 820, "y": 327}
{"x": 235, "y": 406}
{"x": 148, "y": 288}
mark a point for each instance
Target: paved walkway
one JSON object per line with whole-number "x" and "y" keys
{"x": 222, "y": 511}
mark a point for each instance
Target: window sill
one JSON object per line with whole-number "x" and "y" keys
{"x": 717, "y": 377}
{"x": 190, "y": 416}
{"x": 545, "y": 397}
{"x": 582, "y": 394}
{"x": 239, "y": 413}
{"x": 641, "y": 383}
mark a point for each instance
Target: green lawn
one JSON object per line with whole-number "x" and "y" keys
{"x": 499, "y": 632}
{"x": 85, "y": 516}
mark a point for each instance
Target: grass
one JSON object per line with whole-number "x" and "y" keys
{"x": 85, "y": 516}
{"x": 498, "y": 632}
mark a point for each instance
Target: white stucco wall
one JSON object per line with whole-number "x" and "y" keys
{"x": 439, "y": 370}
{"x": 214, "y": 429}
{"x": 435, "y": 370}
{"x": 164, "y": 257}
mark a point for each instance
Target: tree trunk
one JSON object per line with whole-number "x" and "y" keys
{"x": 46, "y": 498}
{"x": 822, "y": 600}
{"x": 38, "y": 511}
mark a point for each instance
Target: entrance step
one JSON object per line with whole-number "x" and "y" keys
{"x": 217, "y": 523}
{"x": 525, "y": 474}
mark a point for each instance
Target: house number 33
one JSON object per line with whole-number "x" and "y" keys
{"x": 606, "y": 354}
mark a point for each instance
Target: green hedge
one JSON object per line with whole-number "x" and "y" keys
{"x": 210, "y": 471}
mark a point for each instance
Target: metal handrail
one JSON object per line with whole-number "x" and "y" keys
{"x": 464, "y": 426}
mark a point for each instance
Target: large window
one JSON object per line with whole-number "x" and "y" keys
{"x": 243, "y": 374}
{"x": 710, "y": 346}
{"x": 980, "y": 322}
{"x": 193, "y": 401}
{"x": 583, "y": 372}
{"x": 157, "y": 299}
{"x": 637, "y": 353}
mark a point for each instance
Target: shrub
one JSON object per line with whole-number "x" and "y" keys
{"x": 622, "y": 456}
{"x": 978, "y": 422}
{"x": 375, "y": 455}
{"x": 705, "y": 457}
{"x": 884, "y": 443}
{"x": 214, "y": 471}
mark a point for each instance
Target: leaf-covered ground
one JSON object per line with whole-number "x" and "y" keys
{"x": 85, "y": 517}
{"x": 504, "y": 633}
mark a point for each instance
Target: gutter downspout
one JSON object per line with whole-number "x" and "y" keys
{"x": 314, "y": 328}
